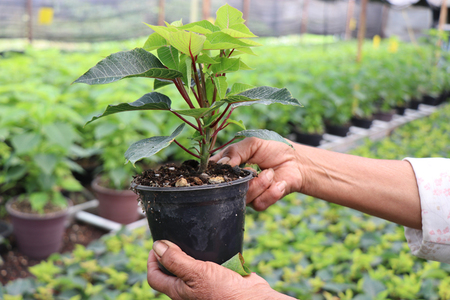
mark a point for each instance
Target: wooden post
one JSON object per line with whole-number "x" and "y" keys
{"x": 206, "y": 9}
{"x": 304, "y": 24}
{"x": 30, "y": 20}
{"x": 362, "y": 29}
{"x": 442, "y": 20}
{"x": 350, "y": 11}
{"x": 194, "y": 11}
{"x": 161, "y": 12}
{"x": 245, "y": 10}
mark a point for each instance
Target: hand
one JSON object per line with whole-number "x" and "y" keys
{"x": 281, "y": 173}
{"x": 201, "y": 280}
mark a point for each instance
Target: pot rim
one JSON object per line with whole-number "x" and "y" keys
{"x": 97, "y": 187}
{"x": 30, "y": 216}
{"x": 249, "y": 176}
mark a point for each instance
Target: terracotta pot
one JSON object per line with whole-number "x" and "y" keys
{"x": 37, "y": 235}
{"x": 120, "y": 206}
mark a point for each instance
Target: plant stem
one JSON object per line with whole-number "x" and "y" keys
{"x": 186, "y": 121}
{"x": 223, "y": 146}
{"x": 185, "y": 149}
{"x": 183, "y": 92}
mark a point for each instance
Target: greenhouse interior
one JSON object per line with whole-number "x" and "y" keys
{"x": 330, "y": 180}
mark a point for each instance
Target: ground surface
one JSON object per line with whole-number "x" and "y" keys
{"x": 15, "y": 265}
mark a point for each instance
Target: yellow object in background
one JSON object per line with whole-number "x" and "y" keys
{"x": 352, "y": 24}
{"x": 45, "y": 16}
{"x": 393, "y": 45}
{"x": 376, "y": 41}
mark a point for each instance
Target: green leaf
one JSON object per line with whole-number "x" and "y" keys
{"x": 221, "y": 85}
{"x": 226, "y": 65}
{"x": 239, "y": 31}
{"x": 221, "y": 40}
{"x": 238, "y": 123}
{"x": 189, "y": 43}
{"x": 126, "y": 64}
{"x": 154, "y": 41}
{"x": 237, "y": 264}
{"x": 169, "y": 57}
{"x": 159, "y": 83}
{"x": 239, "y": 88}
{"x": 263, "y": 134}
{"x": 148, "y": 147}
{"x": 206, "y": 59}
{"x": 262, "y": 95}
{"x": 372, "y": 287}
{"x": 46, "y": 162}
{"x": 228, "y": 16}
{"x": 38, "y": 201}
{"x": 202, "y": 27}
{"x": 61, "y": 134}
{"x": 150, "y": 101}
{"x": 25, "y": 142}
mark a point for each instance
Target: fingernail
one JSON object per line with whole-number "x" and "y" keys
{"x": 160, "y": 248}
{"x": 223, "y": 160}
{"x": 269, "y": 175}
{"x": 281, "y": 186}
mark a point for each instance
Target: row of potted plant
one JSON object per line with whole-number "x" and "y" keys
{"x": 46, "y": 144}
{"x": 303, "y": 246}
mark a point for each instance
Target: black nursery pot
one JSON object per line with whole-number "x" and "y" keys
{"x": 206, "y": 222}
{"x": 362, "y": 122}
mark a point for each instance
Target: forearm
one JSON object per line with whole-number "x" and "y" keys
{"x": 383, "y": 188}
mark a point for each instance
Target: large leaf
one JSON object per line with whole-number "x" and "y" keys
{"x": 154, "y": 41}
{"x": 226, "y": 65}
{"x": 239, "y": 31}
{"x": 150, "y": 101}
{"x": 169, "y": 57}
{"x": 228, "y": 16}
{"x": 262, "y": 95}
{"x": 148, "y": 147}
{"x": 202, "y": 27}
{"x": 134, "y": 63}
{"x": 188, "y": 43}
{"x": 263, "y": 134}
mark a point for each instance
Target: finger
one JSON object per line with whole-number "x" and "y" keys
{"x": 238, "y": 153}
{"x": 271, "y": 195}
{"x": 157, "y": 279}
{"x": 260, "y": 184}
{"x": 176, "y": 261}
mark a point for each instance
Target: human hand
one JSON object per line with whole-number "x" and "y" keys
{"x": 281, "y": 173}
{"x": 201, "y": 280}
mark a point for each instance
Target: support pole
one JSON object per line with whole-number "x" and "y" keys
{"x": 30, "y": 20}
{"x": 245, "y": 10}
{"x": 161, "y": 12}
{"x": 442, "y": 20}
{"x": 362, "y": 29}
{"x": 304, "y": 24}
{"x": 206, "y": 9}
{"x": 194, "y": 11}
{"x": 350, "y": 12}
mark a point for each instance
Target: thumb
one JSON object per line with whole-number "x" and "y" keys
{"x": 175, "y": 260}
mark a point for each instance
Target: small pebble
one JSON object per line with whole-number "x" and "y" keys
{"x": 181, "y": 182}
{"x": 215, "y": 180}
{"x": 204, "y": 177}
{"x": 171, "y": 168}
{"x": 198, "y": 181}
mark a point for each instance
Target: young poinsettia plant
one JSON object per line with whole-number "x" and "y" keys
{"x": 195, "y": 58}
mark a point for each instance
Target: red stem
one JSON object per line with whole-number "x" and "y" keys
{"x": 186, "y": 121}
{"x": 182, "y": 91}
{"x": 184, "y": 148}
{"x": 221, "y": 116}
{"x": 223, "y": 146}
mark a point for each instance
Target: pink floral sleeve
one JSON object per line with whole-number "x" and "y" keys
{"x": 433, "y": 181}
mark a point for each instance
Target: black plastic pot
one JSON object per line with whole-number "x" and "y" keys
{"x": 362, "y": 122}
{"x": 414, "y": 104}
{"x": 430, "y": 100}
{"x": 384, "y": 116}
{"x": 206, "y": 222}
{"x": 400, "y": 110}
{"x": 339, "y": 130}
{"x": 311, "y": 139}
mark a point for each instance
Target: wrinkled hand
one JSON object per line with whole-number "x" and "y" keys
{"x": 201, "y": 280}
{"x": 281, "y": 173}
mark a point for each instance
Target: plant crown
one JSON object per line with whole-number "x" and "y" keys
{"x": 195, "y": 58}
